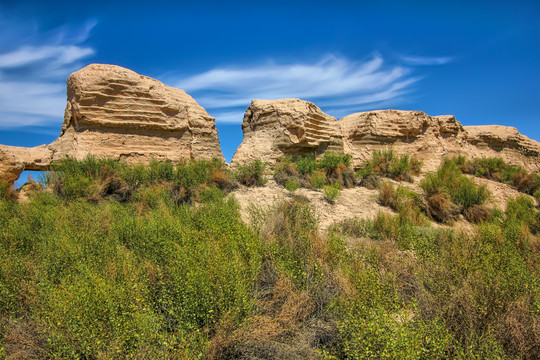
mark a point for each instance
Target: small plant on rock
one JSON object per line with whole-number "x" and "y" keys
{"x": 331, "y": 192}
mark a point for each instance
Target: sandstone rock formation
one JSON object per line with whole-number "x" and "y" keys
{"x": 116, "y": 113}
{"x": 431, "y": 138}
{"x": 277, "y": 128}
{"x": 506, "y": 142}
{"x": 14, "y": 160}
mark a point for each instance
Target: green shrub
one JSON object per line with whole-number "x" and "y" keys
{"x": 449, "y": 192}
{"x": 331, "y": 161}
{"x": 291, "y": 185}
{"x": 331, "y": 192}
{"x": 332, "y": 168}
{"x": 306, "y": 165}
{"x": 318, "y": 180}
{"x": 386, "y": 163}
{"x": 251, "y": 174}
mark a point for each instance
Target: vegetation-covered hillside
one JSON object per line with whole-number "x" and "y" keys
{"x": 115, "y": 261}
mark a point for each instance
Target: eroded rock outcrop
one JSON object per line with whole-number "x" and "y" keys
{"x": 116, "y": 113}
{"x": 14, "y": 160}
{"x": 277, "y": 128}
{"x": 506, "y": 142}
{"x": 429, "y": 138}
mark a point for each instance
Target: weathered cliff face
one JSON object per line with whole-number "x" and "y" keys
{"x": 429, "y": 138}
{"x": 432, "y": 138}
{"x": 506, "y": 142}
{"x": 277, "y": 128}
{"x": 116, "y": 113}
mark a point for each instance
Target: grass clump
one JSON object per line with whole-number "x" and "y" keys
{"x": 331, "y": 192}
{"x": 291, "y": 185}
{"x": 406, "y": 202}
{"x": 496, "y": 169}
{"x": 330, "y": 169}
{"x": 448, "y": 193}
{"x": 251, "y": 174}
{"x": 386, "y": 164}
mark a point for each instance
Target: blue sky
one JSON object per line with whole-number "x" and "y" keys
{"x": 477, "y": 60}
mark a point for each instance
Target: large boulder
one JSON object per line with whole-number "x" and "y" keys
{"x": 116, "y": 113}
{"x": 277, "y": 128}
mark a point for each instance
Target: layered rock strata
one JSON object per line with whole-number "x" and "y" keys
{"x": 429, "y": 138}
{"x": 506, "y": 142}
{"x": 432, "y": 138}
{"x": 277, "y": 128}
{"x": 116, "y": 113}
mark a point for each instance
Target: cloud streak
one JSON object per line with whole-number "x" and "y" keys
{"x": 33, "y": 75}
{"x": 426, "y": 60}
{"x": 335, "y": 83}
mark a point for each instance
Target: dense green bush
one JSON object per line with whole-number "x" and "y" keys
{"x": 151, "y": 277}
{"x": 103, "y": 281}
{"x": 449, "y": 192}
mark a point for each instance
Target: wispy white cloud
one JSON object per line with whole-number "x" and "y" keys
{"x": 33, "y": 74}
{"x": 427, "y": 60}
{"x": 335, "y": 83}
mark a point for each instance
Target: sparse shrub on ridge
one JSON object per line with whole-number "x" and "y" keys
{"x": 251, "y": 174}
{"x": 331, "y": 192}
{"x": 448, "y": 192}
{"x": 496, "y": 169}
{"x": 385, "y": 163}
{"x": 331, "y": 168}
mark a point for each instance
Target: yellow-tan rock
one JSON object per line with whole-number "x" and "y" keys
{"x": 277, "y": 128}
{"x": 429, "y": 138}
{"x": 505, "y": 142}
{"x": 432, "y": 138}
{"x": 14, "y": 160}
{"x": 116, "y": 113}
